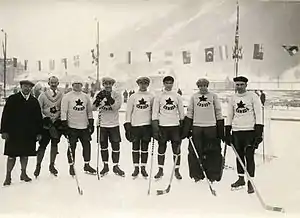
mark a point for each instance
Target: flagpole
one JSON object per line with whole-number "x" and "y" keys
{"x": 4, "y": 64}
{"x": 237, "y": 51}
{"x": 98, "y": 61}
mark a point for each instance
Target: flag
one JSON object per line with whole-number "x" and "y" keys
{"x": 209, "y": 54}
{"x": 64, "y": 61}
{"x": 25, "y": 64}
{"x": 258, "y": 53}
{"x": 186, "y": 57}
{"x": 76, "y": 60}
{"x": 129, "y": 57}
{"x": 291, "y": 49}
{"x": 39, "y": 65}
{"x": 15, "y": 62}
{"x": 149, "y": 56}
{"x": 223, "y": 52}
{"x": 52, "y": 64}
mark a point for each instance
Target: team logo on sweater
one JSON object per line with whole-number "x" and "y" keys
{"x": 142, "y": 104}
{"x": 203, "y": 102}
{"x": 241, "y": 108}
{"x": 53, "y": 110}
{"x": 169, "y": 104}
{"x": 79, "y": 105}
{"x": 107, "y": 106}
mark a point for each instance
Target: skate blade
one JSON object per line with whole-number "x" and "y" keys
{"x": 119, "y": 175}
{"x": 89, "y": 173}
{"x": 103, "y": 174}
{"x": 157, "y": 179}
{"x": 134, "y": 177}
{"x": 237, "y": 188}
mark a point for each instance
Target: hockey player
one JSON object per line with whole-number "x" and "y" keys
{"x": 77, "y": 120}
{"x": 21, "y": 127}
{"x": 50, "y": 102}
{"x": 245, "y": 120}
{"x": 204, "y": 117}
{"x": 138, "y": 125}
{"x": 167, "y": 118}
{"x": 109, "y": 103}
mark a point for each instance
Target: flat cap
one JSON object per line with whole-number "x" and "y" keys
{"x": 26, "y": 82}
{"x": 108, "y": 79}
{"x": 168, "y": 78}
{"x": 202, "y": 81}
{"x": 143, "y": 79}
{"x": 240, "y": 79}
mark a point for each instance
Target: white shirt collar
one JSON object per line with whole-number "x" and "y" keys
{"x": 25, "y": 96}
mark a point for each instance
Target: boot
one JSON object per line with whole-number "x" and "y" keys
{"x": 250, "y": 188}
{"x": 177, "y": 174}
{"x": 88, "y": 169}
{"x": 7, "y": 181}
{"x": 118, "y": 171}
{"x": 105, "y": 170}
{"x": 24, "y": 176}
{"x": 52, "y": 169}
{"x": 160, "y": 173}
{"x": 239, "y": 183}
{"x": 135, "y": 172}
{"x": 37, "y": 170}
{"x": 144, "y": 172}
{"x": 71, "y": 170}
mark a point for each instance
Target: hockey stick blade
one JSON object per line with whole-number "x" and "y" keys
{"x": 80, "y": 191}
{"x": 161, "y": 192}
{"x": 213, "y": 192}
{"x": 275, "y": 209}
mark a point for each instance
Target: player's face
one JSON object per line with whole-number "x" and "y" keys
{"x": 26, "y": 88}
{"x": 108, "y": 86}
{"x": 168, "y": 85}
{"x": 240, "y": 87}
{"x": 143, "y": 86}
{"x": 77, "y": 87}
{"x": 203, "y": 88}
{"x": 53, "y": 83}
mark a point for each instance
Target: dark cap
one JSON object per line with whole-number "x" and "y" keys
{"x": 26, "y": 82}
{"x": 168, "y": 78}
{"x": 202, "y": 81}
{"x": 143, "y": 79}
{"x": 240, "y": 79}
{"x": 108, "y": 79}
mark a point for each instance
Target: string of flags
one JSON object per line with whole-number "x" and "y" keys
{"x": 209, "y": 56}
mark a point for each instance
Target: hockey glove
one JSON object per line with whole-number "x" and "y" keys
{"x": 228, "y": 136}
{"x": 128, "y": 132}
{"x": 187, "y": 126}
{"x": 109, "y": 99}
{"x": 91, "y": 127}
{"x": 5, "y": 136}
{"x": 155, "y": 130}
{"x": 65, "y": 127}
{"x": 47, "y": 123}
{"x": 100, "y": 96}
{"x": 220, "y": 130}
{"x": 258, "y": 134}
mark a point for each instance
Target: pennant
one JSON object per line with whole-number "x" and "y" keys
{"x": 223, "y": 52}
{"x": 129, "y": 57}
{"x": 76, "y": 60}
{"x": 258, "y": 53}
{"x": 25, "y": 64}
{"x": 64, "y": 61}
{"x": 291, "y": 49}
{"x": 39, "y": 65}
{"x": 149, "y": 56}
{"x": 15, "y": 62}
{"x": 52, "y": 64}
{"x": 209, "y": 54}
{"x": 186, "y": 57}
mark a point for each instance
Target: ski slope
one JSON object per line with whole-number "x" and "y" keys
{"x": 113, "y": 196}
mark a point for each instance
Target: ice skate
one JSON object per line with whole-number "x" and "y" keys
{"x": 159, "y": 174}
{"x": 250, "y": 188}
{"x": 37, "y": 170}
{"x": 177, "y": 174}
{"x": 72, "y": 170}
{"x": 53, "y": 170}
{"x": 89, "y": 170}
{"x": 7, "y": 181}
{"x": 144, "y": 172}
{"x": 135, "y": 172}
{"x": 238, "y": 184}
{"x": 25, "y": 177}
{"x": 104, "y": 171}
{"x": 118, "y": 171}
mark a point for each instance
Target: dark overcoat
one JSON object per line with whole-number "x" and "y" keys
{"x": 22, "y": 120}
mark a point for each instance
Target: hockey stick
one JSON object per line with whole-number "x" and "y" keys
{"x": 98, "y": 151}
{"x": 223, "y": 160}
{"x": 151, "y": 166}
{"x": 213, "y": 192}
{"x": 167, "y": 190}
{"x": 80, "y": 191}
{"x": 263, "y": 145}
{"x": 264, "y": 205}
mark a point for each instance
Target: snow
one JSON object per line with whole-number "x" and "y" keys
{"x": 277, "y": 181}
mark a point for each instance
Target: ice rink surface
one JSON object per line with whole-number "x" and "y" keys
{"x": 277, "y": 180}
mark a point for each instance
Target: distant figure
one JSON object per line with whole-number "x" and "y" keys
{"x": 131, "y": 92}
{"x": 125, "y": 96}
{"x": 262, "y": 97}
{"x": 179, "y": 91}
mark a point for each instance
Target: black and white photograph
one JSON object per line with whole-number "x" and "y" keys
{"x": 149, "y": 108}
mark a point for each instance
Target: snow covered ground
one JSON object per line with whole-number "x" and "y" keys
{"x": 277, "y": 180}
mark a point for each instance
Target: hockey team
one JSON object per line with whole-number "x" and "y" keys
{"x": 150, "y": 119}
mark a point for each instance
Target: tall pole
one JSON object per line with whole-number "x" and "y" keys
{"x": 4, "y": 64}
{"x": 237, "y": 51}
{"x": 98, "y": 61}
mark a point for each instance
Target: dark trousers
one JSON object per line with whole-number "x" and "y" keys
{"x": 169, "y": 133}
{"x": 83, "y": 135}
{"x": 141, "y": 138}
{"x": 113, "y": 135}
{"x": 242, "y": 141}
